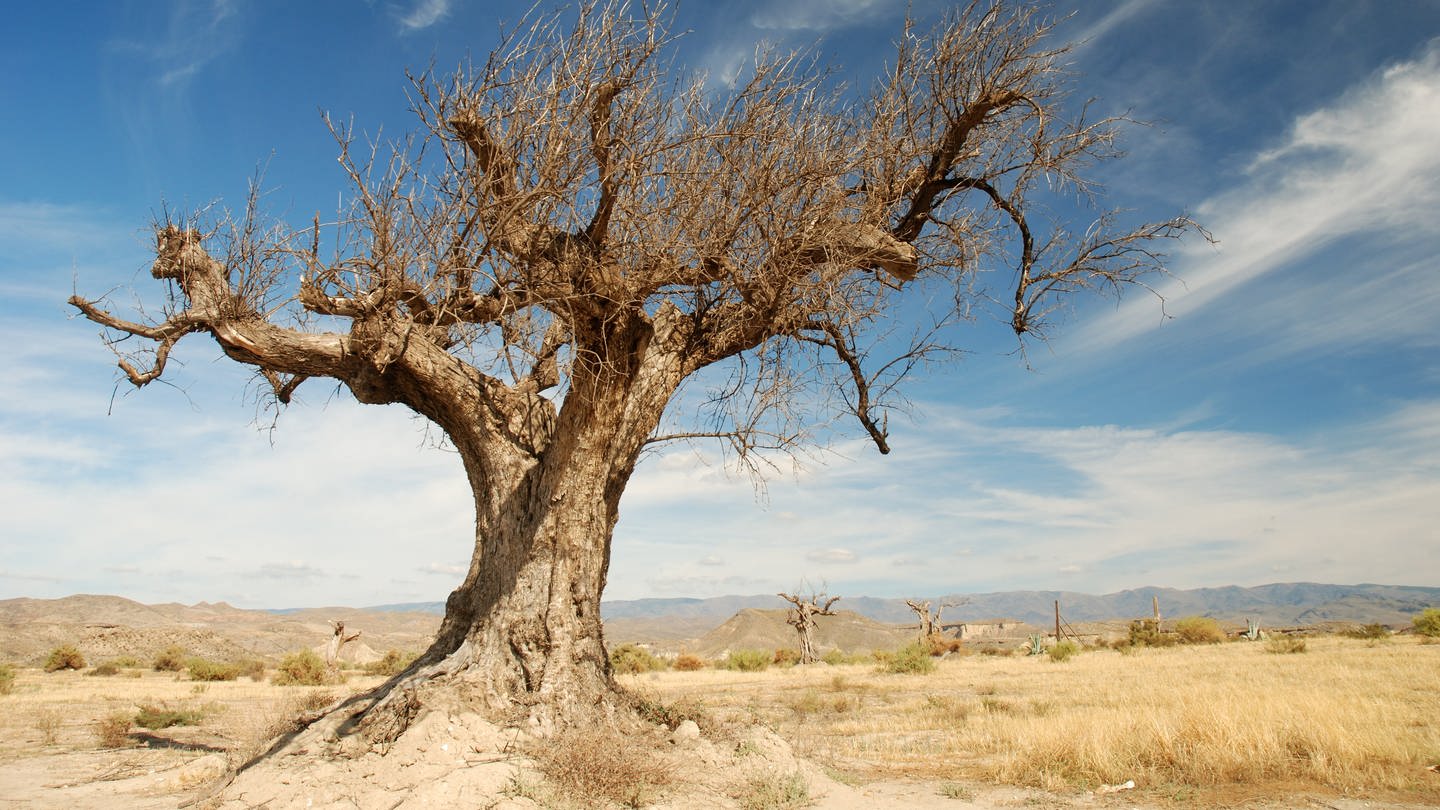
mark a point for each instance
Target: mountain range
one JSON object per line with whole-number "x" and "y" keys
{"x": 1279, "y": 604}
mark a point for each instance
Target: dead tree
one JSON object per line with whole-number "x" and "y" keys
{"x": 802, "y": 618}
{"x": 338, "y": 640}
{"x": 929, "y": 623}
{"x": 577, "y": 229}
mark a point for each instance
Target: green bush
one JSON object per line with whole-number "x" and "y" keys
{"x": 105, "y": 670}
{"x": 1199, "y": 630}
{"x": 632, "y": 659}
{"x": 202, "y": 670}
{"x": 1428, "y": 623}
{"x": 64, "y": 657}
{"x": 303, "y": 668}
{"x": 785, "y": 657}
{"x": 7, "y": 679}
{"x": 171, "y": 659}
{"x": 162, "y": 716}
{"x": 747, "y": 660}
{"x": 254, "y": 669}
{"x": 912, "y": 659}
{"x": 125, "y": 661}
{"x": 393, "y": 663}
{"x": 1064, "y": 650}
{"x": 1147, "y": 633}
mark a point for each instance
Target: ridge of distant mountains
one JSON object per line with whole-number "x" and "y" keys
{"x": 1278, "y": 604}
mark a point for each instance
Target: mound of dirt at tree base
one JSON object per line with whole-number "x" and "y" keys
{"x": 462, "y": 760}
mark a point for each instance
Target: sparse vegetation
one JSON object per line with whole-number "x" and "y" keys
{"x": 171, "y": 659}
{"x": 303, "y": 668}
{"x": 113, "y": 730}
{"x": 1285, "y": 645}
{"x": 689, "y": 663}
{"x": 776, "y": 791}
{"x": 1147, "y": 633}
{"x": 1199, "y": 630}
{"x": 599, "y": 764}
{"x": 64, "y": 657}
{"x": 912, "y": 659}
{"x": 785, "y": 657}
{"x": 1428, "y": 623}
{"x": 747, "y": 660}
{"x": 7, "y": 679}
{"x": 104, "y": 670}
{"x": 1063, "y": 650}
{"x": 48, "y": 722}
{"x": 632, "y": 659}
{"x": 392, "y": 663}
{"x": 156, "y": 717}
{"x": 1368, "y": 632}
{"x": 203, "y": 670}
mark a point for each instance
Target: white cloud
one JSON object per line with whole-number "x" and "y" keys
{"x": 424, "y": 14}
{"x": 819, "y": 15}
{"x": 832, "y": 555}
{"x": 1365, "y": 165}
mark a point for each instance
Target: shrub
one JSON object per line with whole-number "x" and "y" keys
{"x": 912, "y": 659}
{"x": 64, "y": 657}
{"x": 1369, "y": 632}
{"x": 747, "y": 660}
{"x": 1199, "y": 630}
{"x": 837, "y": 657}
{"x": 303, "y": 668}
{"x": 171, "y": 659}
{"x": 113, "y": 731}
{"x": 1282, "y": 645}
{"x": 689, "y": 663}
{"x": 254, "y": 669}
{"x": 1063, "y": 650}
{"x": 105, "y": 670}
{"x": 1147, "y": 633}
{"x": 393, "y": 663}
{"x": 1428, "y": 623}
{"x": 162, "y": 716}
{"x": 598, "y": 763}
{"x": 7, "y": 679}
{"x": 202, "y": 670}
{"x": 632, "y": 659}
{"x": 126, "y": 661}
{"x": 941, "y": 645}
{"x": 785, "y": 657}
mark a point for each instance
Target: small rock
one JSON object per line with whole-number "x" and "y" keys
{"x": 685, "y": 732}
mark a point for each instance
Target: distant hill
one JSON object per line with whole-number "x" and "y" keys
{"x": 752, "y": 629}
{"x": 1281, "y": 604}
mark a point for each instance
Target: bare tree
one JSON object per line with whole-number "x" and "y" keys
{"x": 929, "y": 622}
{"x": 576, "y": 230}
{"x": 338, "y": 640}
{"x": 802, "y": 617}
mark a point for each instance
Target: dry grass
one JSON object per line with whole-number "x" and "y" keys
{"x": 601, "y": 763}
{"x": 1346, "y": 716}
{"x": 67, "y": 709}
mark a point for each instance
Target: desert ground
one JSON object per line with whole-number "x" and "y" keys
{"x": 1346, "y": 724}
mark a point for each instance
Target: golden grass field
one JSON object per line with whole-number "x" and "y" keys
{"x": 1345, "y": 716}
{"x": 1214, "y": 725}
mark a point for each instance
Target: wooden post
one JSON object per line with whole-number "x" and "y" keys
{"x": 1155, "y": 601}
{"x": 1057, "y": 621}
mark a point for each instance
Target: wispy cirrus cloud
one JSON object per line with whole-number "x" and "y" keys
{"x": 424, "y": 14}
{"x": 1362, "y": 168}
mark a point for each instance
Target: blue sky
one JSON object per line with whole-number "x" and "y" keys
{"x": 1282, "y": 423}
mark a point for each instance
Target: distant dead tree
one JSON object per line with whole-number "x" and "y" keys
{"x": 578, "y": 230}
{"x": 802, "y": 617}
{"x": 929, "y": 622}
{"x": 338, "y": 640}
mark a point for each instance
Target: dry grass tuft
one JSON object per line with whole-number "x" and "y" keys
{"x": 113, "y": 731}
{"x": 602, "y": 763}
{"x": 774, "y": 791}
